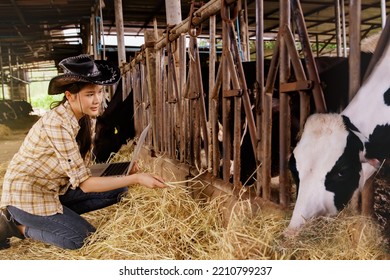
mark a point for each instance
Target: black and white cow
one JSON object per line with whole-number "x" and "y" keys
{"x": 337, "y": 153}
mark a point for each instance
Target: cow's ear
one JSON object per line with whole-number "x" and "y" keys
{"x": 367, "y": 171}
{"x": 374, "y": 162}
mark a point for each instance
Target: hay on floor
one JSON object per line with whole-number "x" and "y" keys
{"x": 169, "y": 224}
{"x": 4, "y": 131}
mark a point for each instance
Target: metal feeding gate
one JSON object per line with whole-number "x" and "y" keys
{"x": 167, "y": 84}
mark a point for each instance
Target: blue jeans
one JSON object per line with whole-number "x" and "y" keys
{"x": 67, "y": 230}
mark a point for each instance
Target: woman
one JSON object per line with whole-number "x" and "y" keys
{"x": 48, "y": 184}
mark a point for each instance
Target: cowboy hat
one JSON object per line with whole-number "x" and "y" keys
{"x": 83, "y": 68}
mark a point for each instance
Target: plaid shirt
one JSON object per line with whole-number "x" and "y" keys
{"x": 47, "y": 164}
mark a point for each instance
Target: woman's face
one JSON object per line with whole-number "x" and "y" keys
{"x": 86, "y": 101}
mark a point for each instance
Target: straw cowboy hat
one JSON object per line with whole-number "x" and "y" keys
{"x": 83, "y": 68}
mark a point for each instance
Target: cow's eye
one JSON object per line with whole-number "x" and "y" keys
{"x": 340, "y": 174}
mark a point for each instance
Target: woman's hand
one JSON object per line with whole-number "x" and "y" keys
{"x": 151, "y": 181}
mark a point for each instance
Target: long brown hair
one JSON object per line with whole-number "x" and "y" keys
{"x": 84, "y": 136}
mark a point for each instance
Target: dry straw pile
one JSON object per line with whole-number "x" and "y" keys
{"x": 4, "y": 131}
{"x": 169, "y": 224}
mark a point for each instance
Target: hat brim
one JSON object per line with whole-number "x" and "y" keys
{"x": 109, "y": 75}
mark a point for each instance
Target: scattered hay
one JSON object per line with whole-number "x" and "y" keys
{"x": 4, "y": 131}
{"x": 345, "y": 237}
{"x": 168, "y": 224}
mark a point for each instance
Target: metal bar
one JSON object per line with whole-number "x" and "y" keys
{"x": 226, "y": 105}
{"x": 296, "y": 86}
{"x": 343, "y": 28}
{"x": 202, "y": 14}
{"x": 160, "y": 102}
{"x": 2, "y": 71}
{"x": 260, "y": 97}
{"x": 354, "y": 47}
{"x": 245, "y": 95}
{"x": 215, "y": 123}
{"x": 152, "y": 81}
{"x": 213, "y": 155}
{"x": 182, "y": 89}
{"x": 302, "y": 82}
{"x": 267, "y": 123}
{"x": 318, "y": 95}
{"x": 11, "y": 72}
{"x": 383, "y": 13}
{"x": 338, "y": 26}
{"x": 121, "y": 43}
{"x": 202, "y": 111}
{"x": 237, "y": 121}
{"x": 284, "y": 110}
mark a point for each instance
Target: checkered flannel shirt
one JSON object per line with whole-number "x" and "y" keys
{"x": 47, "y": 164}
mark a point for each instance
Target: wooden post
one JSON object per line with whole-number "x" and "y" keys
{"x": 173, "y": 12}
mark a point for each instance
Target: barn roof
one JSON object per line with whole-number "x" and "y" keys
{"x": 40, "y": 30}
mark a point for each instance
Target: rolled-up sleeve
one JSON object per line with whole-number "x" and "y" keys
{"x": 62, "y": 137}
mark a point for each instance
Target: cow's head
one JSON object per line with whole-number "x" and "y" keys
{"x": 327, "y": 167}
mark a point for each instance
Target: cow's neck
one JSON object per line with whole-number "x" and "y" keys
{"x": 369, "y": 108}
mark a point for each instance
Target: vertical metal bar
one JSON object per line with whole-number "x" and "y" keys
{"x": 299, "y": 74}
{"x": 120, "y": 34}
{"x": 226, "y": 104}
{"x": 202, "y": 105}
{"x": 182, "y": 101}
{"x": 344, "y": 30}
{"x": 196, "y": 103}
{"x": 338, "y": 27}
{"x": 213, "y": 117}
{"x": 383, "y": 13}
{"x": 318, "y": 95}
{"x": 260, "y": 118}
{"x": 11, "y": 95}
{"x": 152, "y": 81}
{"x": 237, "y": 123}
{"x": 2, "y": 72}
{"x": 284, "y": 113}
{"x": 173, "y": 16}
{"x": 354, "y": 47}
{"x": 245, "y": 95}
{"x": 170, "y": 105}
{"x": 94, "y": 34}
{"x": 267, "y": 122}
{"x": 216, "y": 105}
